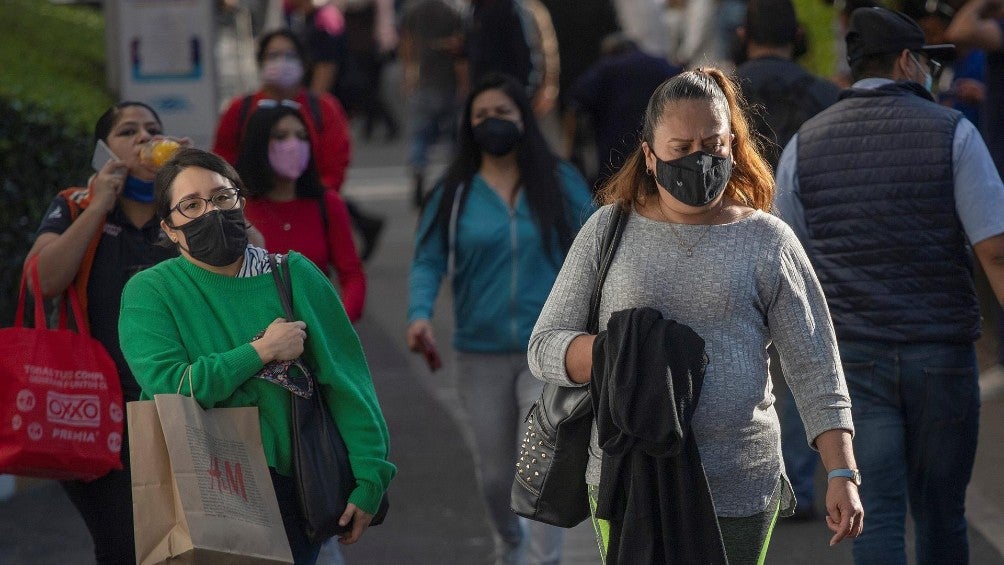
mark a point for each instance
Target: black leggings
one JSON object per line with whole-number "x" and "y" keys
{"x": 304, "y": 552}
{"x": 105, "y": 504}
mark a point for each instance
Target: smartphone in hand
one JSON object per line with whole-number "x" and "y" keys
{"x": 102, "y": 154}
{"x": 431, "y": 355}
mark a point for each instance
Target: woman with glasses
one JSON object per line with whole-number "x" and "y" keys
{"x": 215, "y": 311}
{"x": 93, "y": 238}
{"x": 289, "y": 205}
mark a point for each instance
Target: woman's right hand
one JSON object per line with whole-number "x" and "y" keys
{"x": 107, "y": 185}
{"x": 282, "y": 341}
{"x": 419, "y": 333}
{"x": 357, "y": 519}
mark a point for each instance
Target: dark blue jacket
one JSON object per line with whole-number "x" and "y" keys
{"x": 876, "y": 182}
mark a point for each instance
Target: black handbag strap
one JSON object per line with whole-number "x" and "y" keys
{"x": 282, "y": 283}
{"x": 612, "y": 237}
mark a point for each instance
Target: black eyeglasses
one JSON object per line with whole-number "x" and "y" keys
{"x": 269, "y": 103}
{"x": 193, "y": 207}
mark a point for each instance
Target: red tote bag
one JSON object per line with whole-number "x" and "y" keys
{"x": 61, "y": 409}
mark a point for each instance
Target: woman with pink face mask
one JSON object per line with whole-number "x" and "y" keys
{"x": 281, "y": 60}
{"x": 289, "y": 205}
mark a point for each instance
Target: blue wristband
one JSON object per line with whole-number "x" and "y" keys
{"x": 853, "y": 474}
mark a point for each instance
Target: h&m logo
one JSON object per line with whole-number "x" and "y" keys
{"x": 230, "y": 479}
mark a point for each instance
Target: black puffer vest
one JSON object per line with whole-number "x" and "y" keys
{"x": 876, "y": 181}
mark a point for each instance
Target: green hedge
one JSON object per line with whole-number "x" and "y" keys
{"x": 52, "y": 90}
{"x": 54, "y": 56}
{"x": 40, "y": 154}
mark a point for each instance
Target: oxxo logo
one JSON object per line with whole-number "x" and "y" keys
{"x": 81, "y": 410}
{"x": 25, "y": 400}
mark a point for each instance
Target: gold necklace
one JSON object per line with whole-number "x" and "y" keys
{"x": 707, "y": 228}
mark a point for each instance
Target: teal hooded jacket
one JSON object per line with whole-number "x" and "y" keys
{"x": 501, "y": 272}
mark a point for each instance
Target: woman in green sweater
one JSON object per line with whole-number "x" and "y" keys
{"x": 216, "y": 310}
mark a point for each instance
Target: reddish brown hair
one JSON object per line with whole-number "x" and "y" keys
{"x": 752, "y": 181}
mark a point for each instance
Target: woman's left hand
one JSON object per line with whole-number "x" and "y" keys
{"x": 360, "y": 521}
{"x": 844, "y": 513}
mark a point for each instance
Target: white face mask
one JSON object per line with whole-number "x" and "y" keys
{"x": 282, "y": 72}
{"x": 928, "y": 79}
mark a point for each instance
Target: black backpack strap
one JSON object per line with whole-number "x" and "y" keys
{"x": 611, "y": 239}
{"x": 242, "y": 117}
{"x": 314, "y": 104}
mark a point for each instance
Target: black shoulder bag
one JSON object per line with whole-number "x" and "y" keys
{"x": 550, "y": 481}
{"x": 321, "y": 469}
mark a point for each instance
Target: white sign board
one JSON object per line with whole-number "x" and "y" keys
{"x": 166, "y": 59}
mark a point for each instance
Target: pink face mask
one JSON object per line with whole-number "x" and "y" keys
{"x": 289, "y": 157}
{"x": 282, "y": 72}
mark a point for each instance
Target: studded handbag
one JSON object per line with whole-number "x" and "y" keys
{"x": 550, "y": 481}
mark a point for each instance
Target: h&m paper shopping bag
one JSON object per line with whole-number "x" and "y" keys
{"x": 201, "y": 486}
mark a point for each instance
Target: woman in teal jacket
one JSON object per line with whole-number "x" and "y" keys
{"x": 499, "y": 224}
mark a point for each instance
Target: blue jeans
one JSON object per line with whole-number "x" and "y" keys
{"x": 916, "y": 419}
{"x": 433, "y": 113}
{"x": 496, "y": 391}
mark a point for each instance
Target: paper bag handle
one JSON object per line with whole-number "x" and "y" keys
{"x": 187, "y": 375}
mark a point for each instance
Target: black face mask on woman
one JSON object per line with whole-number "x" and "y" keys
{"x": 694, "y": 179}
{"x": 497, "y": 136}
{"x": 216, "y": 238}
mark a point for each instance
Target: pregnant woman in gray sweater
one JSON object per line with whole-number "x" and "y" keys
{"x": 700, "y": 247}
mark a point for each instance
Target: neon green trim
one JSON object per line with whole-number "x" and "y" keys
{"x": 600, "y": 527}
{"x": 770, "y": 531}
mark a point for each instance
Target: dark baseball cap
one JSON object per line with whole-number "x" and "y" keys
{"x": 875, "y": 31}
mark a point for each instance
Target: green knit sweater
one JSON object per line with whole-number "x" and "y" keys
{"x": 176, "y": 314}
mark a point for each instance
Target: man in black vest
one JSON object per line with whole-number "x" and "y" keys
{"x": 889, "y": 192}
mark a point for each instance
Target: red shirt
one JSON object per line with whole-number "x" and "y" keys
{"x": 298, "y": 224}
{"x": 331, "y": 146}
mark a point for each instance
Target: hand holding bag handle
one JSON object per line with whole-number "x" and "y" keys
{"x": 321, "y": 468}
{"x": 550, "y": 481}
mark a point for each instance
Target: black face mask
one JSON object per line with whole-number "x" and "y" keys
{"x": 695, "y": 179}
{"x": 216, "y": 238}
{"x": 497, "y": 136}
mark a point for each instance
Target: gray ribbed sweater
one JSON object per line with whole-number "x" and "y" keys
{"x": 748, "y": 283}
